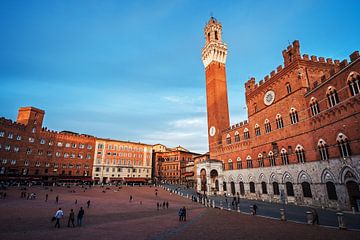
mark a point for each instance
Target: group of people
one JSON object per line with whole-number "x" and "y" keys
{"x": 164, "y": 204}
{"x": 28, "y": 195}
{"x": 60, "y": 214}
{"x": 182, "y": 214}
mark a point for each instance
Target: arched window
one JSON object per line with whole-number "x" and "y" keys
{"x": 242, "y": 189}
{"x": 279, "y": 121}
{"x": 261, "y": 160}
{"x": 264, "y": 187}
{"x": 331, "y": 191}
{"x": 332, "y": 96}
{"x": 300, "y": 155}
{"x": 252, "y": 187}
{"x": 276, "y": 188}
{"x": 314, "y": 106}
{"x": 344, "y": 146}
{"x": 289, "y": 189}
{"x": 246, "y": 133}
{"x": 284, "y": 157}
{"x": 257, "y": 130}
{"x": 323, "y": 150}
{"x": 267, "y": 126}
{"x": 354, "y": 83}
{"x": 230, "y": 163}
{"x": 272, "y": 159}
{"x": 228, "y": 139}
{"x": 288, "y": 87}
{"x": 224, "y": 186}
{"x": 249, "y": 162}
{"x": 306, "y": 189}
{"x": 293, "y": 116}
{"x": 238, "y": 163}
{"x": 237, "y": 136}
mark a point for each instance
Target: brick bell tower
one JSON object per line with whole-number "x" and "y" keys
{"x": 214, "y": 58}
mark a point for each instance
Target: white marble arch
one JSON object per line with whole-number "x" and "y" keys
{"x": 273, "y": 178}
{"x": 348, "y": 173}
{"x": 303, "y": 177}
{"x": 239, "y": 178}
{"x": 287, "y": 178}
{"x": 327, "y": 176}
{"x": 230, "y": 178}
{"x": 262, "y": 178}
{"x": 251, "y": 178}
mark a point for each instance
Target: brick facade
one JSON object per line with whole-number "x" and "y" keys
{"x": 302, "y": 132}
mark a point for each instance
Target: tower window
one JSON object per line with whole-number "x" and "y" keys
{"x": 354, "y": 84}
{"x": 216, "y": 35}
{"x": 208, "y": 36}
{"x": 288, "y": 88}
{"x": 332, "y": 97}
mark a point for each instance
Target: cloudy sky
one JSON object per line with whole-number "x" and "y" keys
{"x": 132, "y": 70}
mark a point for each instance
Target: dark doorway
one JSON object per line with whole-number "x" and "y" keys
{"x": 232, "y": 184}
{"x": 354, "y": 193}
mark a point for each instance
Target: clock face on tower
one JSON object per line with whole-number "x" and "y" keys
{"x": 269, "y": 97}
{"x": 212, "y": 131}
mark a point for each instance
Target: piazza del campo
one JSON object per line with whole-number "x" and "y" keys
{"x": 183, "y": 120}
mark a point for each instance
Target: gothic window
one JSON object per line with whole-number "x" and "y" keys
{"x": 288, "y": 88}
{"x": 216, "y": 35}
{"x": 276, "y": 188}
{"x": 284, "y": 157}
{"x": 261, "y": 160}
{"x": 272, "y": 159}
{"x": 323, "y": 150}
{"x": 331, "y": 191}
{"x": 249, "y": 162}
{"x": 237, "y": 136}
{"x": 306, "y": 189}
{"x": 344, "y": 146}
{"x": 238, "y": 163}
{"x": 332, "y": 96}
{"x": 289, "y": 189}
{"x": 252, "y": 187}
{"x": 242, "y": 189}
{"x": 257, "y": 130}
{"x": 300, "y": 155}
{"x": 293, "y": 116}
{"x": 267, "y": 126}
{"x": 246, "y": 133}
{"x": 228, "y": 139}
{"x": 224, "y": 186}
{"x": 353, "y": 82}
{"x": 255, "y": 108}
{"x": 264, "y": 187}
{"x": 279, "y": 121}
{"x": 230, "y": 164}
{"x": 208, "y": 37}
{"x": 314, "y": 106}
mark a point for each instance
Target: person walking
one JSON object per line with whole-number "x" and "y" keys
{"x": 315, "y": 217}
{"x": 57, "y": 199}
{"x": 184, "y": 214}
{"x": 88, "y": 203}
{"x": 80, "y": 216}
{"x": 58, "y": 215}
{"x": 254, "y": 209}
{"x": 71, "y": 218}
{"x": 180, "y": 213}
{"x": 163, "y": 205}
{"x": 130, "y": 199}
{"x": 167, "y": 205}
{"x": 46, "y": 197}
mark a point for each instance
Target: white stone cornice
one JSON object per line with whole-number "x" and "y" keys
{"x": 214, "y": 51}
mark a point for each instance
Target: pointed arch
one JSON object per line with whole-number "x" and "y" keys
{"x": 248, "y": 157}
{"x": 287, "y": 178}
{"x": 352, "y": 76}
{"x": 303, "y": 177}
{"x": 240, "y": 178}
{"x": 299, "y": 148}
{"x": 327, "y": 176}
{"x": 250, "y": 178}
{"x": 330, "y": 90}
{"x": 230, "y": 178}
{"x": 260, "y": 155}
{"x": 262, "y": 177}
{"x": 266, "y": 121}
{"x": 273, "y": 177}
{"x": 347, "y": 173}
{"x": 341, "y": 137}
{"x": 321, "y": 142}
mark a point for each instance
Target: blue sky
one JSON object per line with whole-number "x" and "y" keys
{"x": 132, "y": 70}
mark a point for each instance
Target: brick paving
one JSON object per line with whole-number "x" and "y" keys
{"x": 112, "y": 216}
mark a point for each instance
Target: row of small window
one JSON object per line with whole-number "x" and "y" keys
{"x": 294, "y": 118}
{"x": 120, "y": 148}
{"x": 47, "y": 165}
{"x": 134, "y": 170}
{"x": 171, "y": 167}
{"x": 170, "y": 173}
{"x": 5, "y": 161}
{"x": 123, "y": 162}
{"x": 342, "y": 142}
{"x": 10, "y": 135}
{"x": 63, "y": 172}
{"x": 121, "y": 154}
{"x": 306, "y": 189}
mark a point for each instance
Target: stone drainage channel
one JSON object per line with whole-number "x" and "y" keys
{"x": 289, "y": 213}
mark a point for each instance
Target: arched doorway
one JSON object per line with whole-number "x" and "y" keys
{"x": 354, "y": 194}
{"x": 203, "y": 180}
{"x": 214, "y": 181}
{"x": 232, "y": 184}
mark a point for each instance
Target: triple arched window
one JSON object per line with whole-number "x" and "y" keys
{"x": 228, "y": 139}
{"x": 279, "y": 121}
{"x": 257, "y": 130}
{"x": 314, "y": 106}
{"x": 267, "y": 126}
{"x": 293, "y": 116}
{"x": 332, "y": 96}
{"x": 284, "y": 157}
{"x": 272, "y": 159}
{"x": 246, "y": 133}
{"x": 300, "y": 155}
{"x": 354, "y": 83}
{"x": 237, "y": 136}
{"x": 249, "y": 162}
{"x": 261, "y": 160}
{"x": 343, "y": 144}
{"x": 323, "y": 150}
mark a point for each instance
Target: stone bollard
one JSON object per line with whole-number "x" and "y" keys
{"x": 221, "y": 205}
{"x": 252, "y": 210}
{"x": 238, "y": 208}
{"x": 309, "y": 217}
{"x": 353, "y": 210}
{"x": 340, "y": 217}
{"x": 213, "y": 204}
{"x": 282, "y": 214}
{"x": 187, "y": 195}
{"x": 229, "y": 206}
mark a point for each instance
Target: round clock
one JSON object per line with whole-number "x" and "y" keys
{"x": 212, "y": 131}
{"x": 269, "y": 97}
